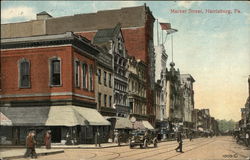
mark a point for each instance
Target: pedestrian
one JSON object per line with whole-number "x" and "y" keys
{"x": 179, "y": 140}
{"x": 190, "y": 136}
{"x": 117, "y": 137}
{"x": 247, "y": 139}
{"x": 47, "y": 139}
{"x": 68, "y": 139}
{"x": 30, "y": 145}
{"x": 97, "y": 138}
{"x": 237, "y": 138}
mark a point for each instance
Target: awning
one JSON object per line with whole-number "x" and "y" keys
{"x": 143, "y": 125}
{"x": 93, "y": 117}
{"x": 65, "y": 116}
{"x": 53, "y": 116}
{"x": 123, "y": 123}
{"x": 4, "y": 120}
{"x": 26, "y": 116}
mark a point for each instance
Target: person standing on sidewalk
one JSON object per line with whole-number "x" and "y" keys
{"x": 47, "y": 139}
{"x": 30, "y": 145}
{"x": 247, "y": 139}
{"x": 179, "y": 140}
{"x": 97, "y": 138}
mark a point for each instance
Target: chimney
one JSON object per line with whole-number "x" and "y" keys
{"x": 43, "y": 15}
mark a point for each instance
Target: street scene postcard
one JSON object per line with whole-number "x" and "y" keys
{"x": 125, "y": 80}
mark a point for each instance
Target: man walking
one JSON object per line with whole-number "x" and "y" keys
{"x": 30, "y": 145}
{"x": 179, "y": 140}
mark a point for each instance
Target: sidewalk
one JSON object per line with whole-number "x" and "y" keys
{"x": 86, "y": 146}
{"x": 10, "y": 153}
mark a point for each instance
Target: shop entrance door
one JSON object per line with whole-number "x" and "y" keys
{"x": 56, "y": 134}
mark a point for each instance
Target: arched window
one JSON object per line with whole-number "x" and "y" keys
{"x": 24, "y": 73}
{"x": 55, "y": 71}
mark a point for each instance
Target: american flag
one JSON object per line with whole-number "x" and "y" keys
{"x": 165, "y": 26}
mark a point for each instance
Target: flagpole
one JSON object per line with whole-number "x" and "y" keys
{"x": 172, "y": 47}
{"x": 161, "y": 36}
{"x": 158, "y": 33}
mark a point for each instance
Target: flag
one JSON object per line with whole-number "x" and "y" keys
{"x": 165, "y": 26}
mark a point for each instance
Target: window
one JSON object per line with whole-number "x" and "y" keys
{"x": 105, "y": 78}
{"x": 105, "y": 100}
{"x": 110, "y": 101}
{"x": 77, "y": 68}
{"x": 110, "y": 81}
{"x": 99, "y": 99}
{"x": 99, "y": 74}
{"x": 84, "y": 75}
{"x": 91, "y": 86}
{"x": 24, "y": 73}
{"x": 55, "y": 72}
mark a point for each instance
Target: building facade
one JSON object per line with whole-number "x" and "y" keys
{"x": 244, "y": 123}
{"x": 112, "y": 39}
{"x": 137, "y": 88}
{"x": 136, "y": 26}
{"x": 188, "y": 94}
{"x": 104, "y": 83}
{"x": 174, "y": 100}
{"x": 48, "y": 83}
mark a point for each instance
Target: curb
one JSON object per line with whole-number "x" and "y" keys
{"x": 38, "y": 154}
{"x": 88, "y": 147}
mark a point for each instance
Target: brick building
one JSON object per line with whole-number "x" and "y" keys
{"x": 48, "y": 83}
{"x": 136, "y": 25}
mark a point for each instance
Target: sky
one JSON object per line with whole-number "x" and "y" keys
{"x": 212, "y": 47}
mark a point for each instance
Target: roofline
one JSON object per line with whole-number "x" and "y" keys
{"x": 189, "y": 76}
{"x": 56, "y": 37}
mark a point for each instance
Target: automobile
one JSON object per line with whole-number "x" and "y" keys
{"x": 143, "y": 138}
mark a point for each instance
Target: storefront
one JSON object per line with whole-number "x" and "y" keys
{"x": 68, "y": 124}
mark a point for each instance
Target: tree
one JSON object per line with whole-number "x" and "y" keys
{"x": 225, "y": 126}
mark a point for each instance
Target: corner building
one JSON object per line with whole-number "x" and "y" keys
{"x": 48, "y": 83}
{"x": 136, "y": 25}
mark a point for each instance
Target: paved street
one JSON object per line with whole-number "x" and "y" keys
{"x": 201, "y": 148}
